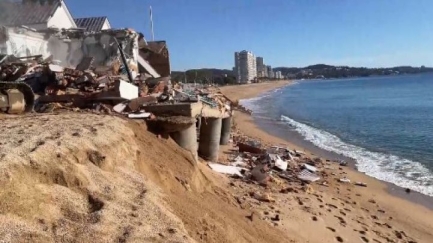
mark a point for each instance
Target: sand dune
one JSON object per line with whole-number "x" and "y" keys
{"x": 77, "y": 177}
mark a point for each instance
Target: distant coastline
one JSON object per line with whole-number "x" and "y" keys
{"x": 318, "y": 71}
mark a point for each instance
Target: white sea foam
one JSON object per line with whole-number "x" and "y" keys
{"x": 399, "y": 171}
{"x": 254, "y": 105}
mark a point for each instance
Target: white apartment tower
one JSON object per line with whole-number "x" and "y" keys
{"x": 260, "y": 67}
{"x": 271, "y": 73}
{"x": 245, "y": 66}
{"x": 278, "y": 75}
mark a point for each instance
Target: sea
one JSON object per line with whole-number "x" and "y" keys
{"x": 385, "y": 123}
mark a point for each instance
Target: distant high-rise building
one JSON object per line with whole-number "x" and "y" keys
{"x": 245, "y": 66}
{"x": 278, "y": 75}
{"x": 270, "y": 72}
{"x": 260, "y": 67}
{"x": 265, "y": 71}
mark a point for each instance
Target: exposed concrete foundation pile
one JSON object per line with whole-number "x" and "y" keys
{"x": 210, "y": 134}
{"x": 226, "y": 127}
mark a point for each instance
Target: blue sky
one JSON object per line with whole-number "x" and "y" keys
{"x": 206, "y": 33}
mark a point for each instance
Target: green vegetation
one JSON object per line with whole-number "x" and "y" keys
{"x": 225, "y": 76}
{"x": 327, "y": 71}
{"x": 206, "y": 76}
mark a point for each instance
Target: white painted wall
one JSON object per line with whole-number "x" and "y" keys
{"x": 61, "y": 19}
{"x": 21, "y": 42}
{"x": 106, "y": 25}
{"x": 24, "y": 43}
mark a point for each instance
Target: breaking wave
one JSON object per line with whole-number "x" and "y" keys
{"x": 387, "y": 167}
{"x": 254, "y": 105}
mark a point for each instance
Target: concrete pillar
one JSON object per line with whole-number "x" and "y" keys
{"x": 226, "y": 128}
{"x": 187, "y": 139}
{"x": 210, "y": 135}
{"x": 198, "y": 124}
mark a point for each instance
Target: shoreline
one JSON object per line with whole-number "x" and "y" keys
{"x": 296, "y": 141}
{"x": 313, "y": 150}
{"x": 407, "y": 211}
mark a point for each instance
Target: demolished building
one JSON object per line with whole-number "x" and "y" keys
{"x": 68, "y": 47}
{"x": 111, "y": 70}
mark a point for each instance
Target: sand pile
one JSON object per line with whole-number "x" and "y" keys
{"x": 72, "y": 178}
{"x": 90, "y": 178}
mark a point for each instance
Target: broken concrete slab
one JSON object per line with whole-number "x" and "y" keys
{"x": 310, "y": 167}
{"x": 226, "y": 169}
{"x": 260, "y": 173}
{"x": 119, "y": 108}
{"x": 306, "y": 175}
{"x": 144, "y": 64}
{"x": 138, "y": 102}
{"x": 122, "y": 90}
{"x": 179, "y": 109}
{"x": 281, "y": 164}
{"x": 243, "y": 147}
{"x": 139, "y": 115}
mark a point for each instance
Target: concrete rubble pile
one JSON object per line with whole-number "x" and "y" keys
{"x": 57, "y": 86}
{"x": 102, "y": 71}
{"x": 258, "y": 171}
{"x": 260, "y": 164}
{"x": 269, "y": 180}
{"x": 99, "y": 88}
{"x": 207, "y": 95}
{"x": 114, "y": 71}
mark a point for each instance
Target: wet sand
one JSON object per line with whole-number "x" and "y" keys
{"x": 407, "y": 211}
{"x": 280, "y": 130}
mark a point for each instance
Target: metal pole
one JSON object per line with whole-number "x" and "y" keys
{"x": 151, "y": 24}
{"x": 125, "y": 63}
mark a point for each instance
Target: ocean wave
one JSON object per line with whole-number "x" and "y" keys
{"x": 253, "y": 104}
{"x": 387, "y": 167}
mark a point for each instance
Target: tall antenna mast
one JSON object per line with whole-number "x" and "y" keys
{"x": 151, "y": 24}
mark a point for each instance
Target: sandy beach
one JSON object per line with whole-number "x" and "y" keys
{"x": 357, "y": 214}
{"x": 85, "y": 177}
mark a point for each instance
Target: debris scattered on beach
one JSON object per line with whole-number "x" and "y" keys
{"x": 343, "y": 163}
{"x": 362, "y": 184}
{"x": 344, "y": 180}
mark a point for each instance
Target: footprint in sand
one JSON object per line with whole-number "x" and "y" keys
{"x": 360, "y": 222}
{"x": 365, "y": 239}
{"x": 331, "y": 205}
{"x": 400, "y": 234}
{"x": 339, "y": 239}
{"x": 342, "y": 221}
{"x": 331, "y": 229}
{"x": 366, "y": 210}
{"x": 387, "y": 225}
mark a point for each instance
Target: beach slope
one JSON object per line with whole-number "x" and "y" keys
{"x": 339, "y": 212}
